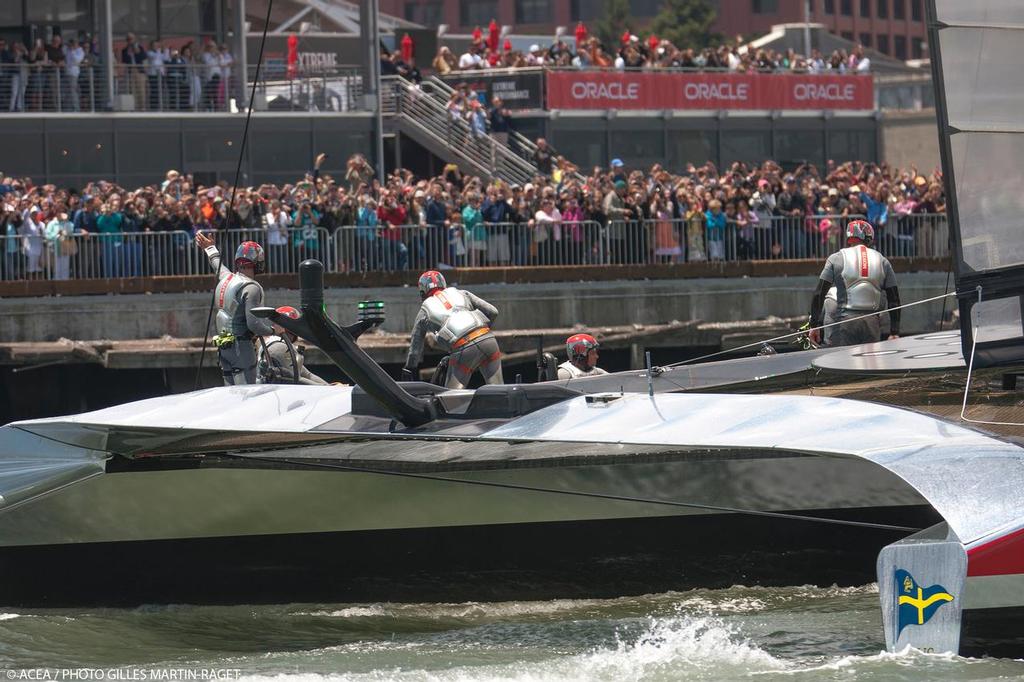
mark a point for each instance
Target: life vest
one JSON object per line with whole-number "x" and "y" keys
{"x": 452, "y": 314}
{"x": 862, "y": 278}
{"x": 575, "y": 372}
{"x": 231, "y": 315}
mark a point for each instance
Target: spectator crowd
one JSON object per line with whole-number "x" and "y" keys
{"x": 483, "y": 52}
{"x": 68, "y": 75}
{"x": 355, "y": 222}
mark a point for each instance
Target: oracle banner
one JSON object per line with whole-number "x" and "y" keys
{"x": 614, "y": 90}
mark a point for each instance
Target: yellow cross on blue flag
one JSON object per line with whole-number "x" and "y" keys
{"x": 915, "y": 604}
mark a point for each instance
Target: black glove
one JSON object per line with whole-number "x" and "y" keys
{"x": 407, "y": 374}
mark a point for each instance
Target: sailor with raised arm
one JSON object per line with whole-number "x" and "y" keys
{"x": 859, "y": 275}
{"x": 582, "y": 352}
{"x": 461, "y": 323}
{"x": 237, "y": 294}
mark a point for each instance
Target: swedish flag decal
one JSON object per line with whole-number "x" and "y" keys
{"x": 915, "y": 605}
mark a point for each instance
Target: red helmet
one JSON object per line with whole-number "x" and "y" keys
{"x": 862, "y": 230}
{"x": 250, "y": 253}
{"x": 289, "y": 311}
{"x": 578, "y": 346}
{"x": 431, "y": 281}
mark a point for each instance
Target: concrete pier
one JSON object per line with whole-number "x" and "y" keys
{"x": 523, "y": 306}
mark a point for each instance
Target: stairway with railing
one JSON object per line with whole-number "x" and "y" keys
{"x": 422, "y": 114}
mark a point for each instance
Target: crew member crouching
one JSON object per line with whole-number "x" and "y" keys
{"x": 859, "y": 275}
{"x": 461, "y": 323}
{"x": 280, "y": 361}
{"x": 582, "y": 351}
{"x": 237, "y": 293}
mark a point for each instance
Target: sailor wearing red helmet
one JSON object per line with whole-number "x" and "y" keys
{"x": 582, "y": 352}
{"x": 237, "y": 294}
{"x": 461, "y": 323}
{"x": 859, "y": 276}
{"x": 280, "y": 361}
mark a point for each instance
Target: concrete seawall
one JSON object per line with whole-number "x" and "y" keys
{"x": 141, "y": 316}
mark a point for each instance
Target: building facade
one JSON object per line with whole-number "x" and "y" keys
{"x": 893, "y": 27}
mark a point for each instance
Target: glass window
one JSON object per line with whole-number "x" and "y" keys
{"x": 281, "y": 150}
{"x": 477, "y": 12}
{"x": 917, "y": 48}
{"x": 179, "y": 17}
{"x": 134, "y": 16}
{"x": 638, "y": 144}
{"x": 794, "y": 147}
{"x": 57, "y": 11}
{"x": 883, "y": 44}
{"x": 916, "y": 10}
{"x": 21, "y": 152}
{"x": 848, "y": 35}
{"x": 865, "y": 8}
{"x": 899, "y": 47}
{"x": 865, "y": 39}
{"x": 751, "y": 146}
{"x": 136, "y": 151}
{"x": 830, "y": 6}
{"x": 846, "y": 8}
{"x": 426, "y": 13}
{"x": 765, "y": 6}
{"x": 585, "y": 10}
{"x": 851, "y": 145}
{"x": 586, "y": 147}
{"x": 533, "y": 11}
{"x": 644, "y": 8}
{"x": 208, "y": 11}
{"x": 899, "y": 9}
{"x": 883, "y": 9}
{"x": 83, "y": 152}
{"x": 692, "y": 146}
{"x": 10, "y": 13}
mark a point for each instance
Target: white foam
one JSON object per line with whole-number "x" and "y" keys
{"x": 667, "y": 648}
{"x": 9, "y": 616}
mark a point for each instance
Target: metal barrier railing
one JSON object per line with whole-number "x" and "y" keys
{"x": 170, "y": 87}
{"x": 385, "y": 248}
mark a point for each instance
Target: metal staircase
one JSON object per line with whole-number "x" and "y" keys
{"x": 422, "y": 114}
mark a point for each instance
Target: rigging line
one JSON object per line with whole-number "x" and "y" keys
{"x": 949, "y": 271}
{"x": 238, "y": 173}
{"x": 578, "y": 493}
{"x": 970, "y": 371}
{"x": 757, "y": 344}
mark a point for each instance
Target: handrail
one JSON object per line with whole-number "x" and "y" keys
{"x": 417, "y": 108}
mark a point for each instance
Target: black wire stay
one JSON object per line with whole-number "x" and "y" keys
{"x": 234, "y": 187}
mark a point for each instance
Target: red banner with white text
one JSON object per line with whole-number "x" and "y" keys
{"x": 663, "y": 90}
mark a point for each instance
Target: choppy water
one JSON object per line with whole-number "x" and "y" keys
{"x": 764, "y": 634}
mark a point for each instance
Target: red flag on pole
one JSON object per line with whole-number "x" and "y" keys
{"x": 581, "y": 34}
{"x": 293, "y": 56}
{"x": 492, "y": 35}
{"x": 406, "y": 48}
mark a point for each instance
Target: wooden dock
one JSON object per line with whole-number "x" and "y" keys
{"x": 517, "y": 345}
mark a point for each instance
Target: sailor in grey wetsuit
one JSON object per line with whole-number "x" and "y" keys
{"x": 859, "y": 275}
{"x": 280, "y": 361}
{"x": 237, "y": 294}
{"x": 461, "y": 324}
{"x": 582, "y": 352}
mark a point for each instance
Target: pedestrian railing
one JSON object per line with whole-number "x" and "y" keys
{"x": 171, "y": 87}
{"x": 386, "y": 248}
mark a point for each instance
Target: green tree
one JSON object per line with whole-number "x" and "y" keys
{"x": 613, "y": 22}
{"x": 686, "y": 23}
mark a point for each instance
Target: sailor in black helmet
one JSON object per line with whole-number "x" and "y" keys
{"x": 461, "y": 323}
{"x": 237, "y": 294}
{"x": 859, "y": 275}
